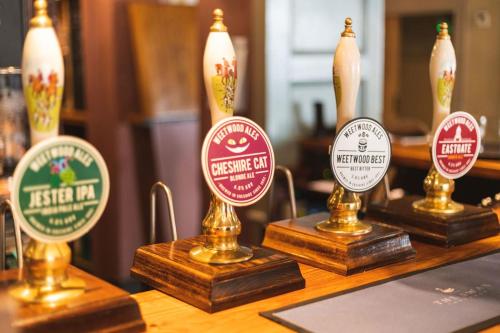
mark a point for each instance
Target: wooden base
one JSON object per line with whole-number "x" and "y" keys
{"x": 341, "y": 254}
{"x": 471, "y": 224}
{"x": 168, "y": 268}
{"x": 102, "y": 307}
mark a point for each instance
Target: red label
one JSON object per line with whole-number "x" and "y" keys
{"x": 456, "y": 145}
{"x": 238, "y": 161}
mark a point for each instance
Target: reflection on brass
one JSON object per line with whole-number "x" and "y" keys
{"x": 218, "y": 25}
{"x": 344, "y": 206}
{"x": 41, "y": 19}
{"x": 348, "y": 29}
{"x": 443, "y": 31}
{"x": 221, "y": 228}
{"x": 45, "y": 278}
{"x": 438, "y": 191}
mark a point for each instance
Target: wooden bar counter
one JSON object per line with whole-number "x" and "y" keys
{"x": 163, "y": 313}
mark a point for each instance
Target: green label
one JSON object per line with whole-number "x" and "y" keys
{"x": 60, "y": 189}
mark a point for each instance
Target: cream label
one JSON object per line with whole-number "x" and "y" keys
{"x": 238, "y": 161}
{"x": 361, "y": 154}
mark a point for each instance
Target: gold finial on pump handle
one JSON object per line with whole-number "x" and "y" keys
{"x": 443, "y": 31}
{"x": 218, "y": 25}
{"x": 41, "y": 18}
{"x": 348, "y": 29}
{"x": 438, "y": 189}
{"x": 45, "y": 279}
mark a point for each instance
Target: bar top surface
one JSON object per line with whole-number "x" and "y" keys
{"x": 163, "y": 313}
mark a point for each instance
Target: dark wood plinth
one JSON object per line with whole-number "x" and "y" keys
{"x": 102, "y": 307}
{"x": 168, "y": 268}
{"x": 341, "y": 254}
{"x": 471, "y": 224}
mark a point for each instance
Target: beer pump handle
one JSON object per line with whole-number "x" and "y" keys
{"x": 346, "y": 74}
{"x": 43, "y": 75}
{"x": 220, "y": 70}
{"x": 442, "y": 70}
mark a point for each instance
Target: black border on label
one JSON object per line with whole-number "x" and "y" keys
{"x": 468, "y": 329}
{"x": 333, "y": 148}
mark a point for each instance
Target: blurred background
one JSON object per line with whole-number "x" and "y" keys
{"x": 134, "y": 89}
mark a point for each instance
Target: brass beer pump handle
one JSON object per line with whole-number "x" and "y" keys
{"x": 342, "y": 203}
{"x": 291, "y": 191}
{"x": 5, "y": 207}
{"x": 439, "y": 189}
{"x": 221, "y": 225}
{"x": 44, "y": 277}
{"x": 170, "y": 203}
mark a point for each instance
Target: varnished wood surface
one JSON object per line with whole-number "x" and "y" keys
{"x": 344, "y": 255}
{"x": 163, "y": 313}
{"x": 447, "y": 230}
{"x": 103, "y": 307}
{"x": 168, "y": 267}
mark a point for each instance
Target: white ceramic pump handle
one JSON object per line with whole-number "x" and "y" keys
{"x": 220, "y": 70}
{"x": 43, "y": 75}
{"x": 442, "y": 72}
{"x": 346, "y": 75}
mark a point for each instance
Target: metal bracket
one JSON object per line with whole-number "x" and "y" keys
{"x": 365, "y": 195}
{"x": 291, "y": 191}
{"x": 152, "y": 224}
{"x": 387, "y": 188}
{"x": 490, "y": 202}
{"x": 6, "y": 206}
